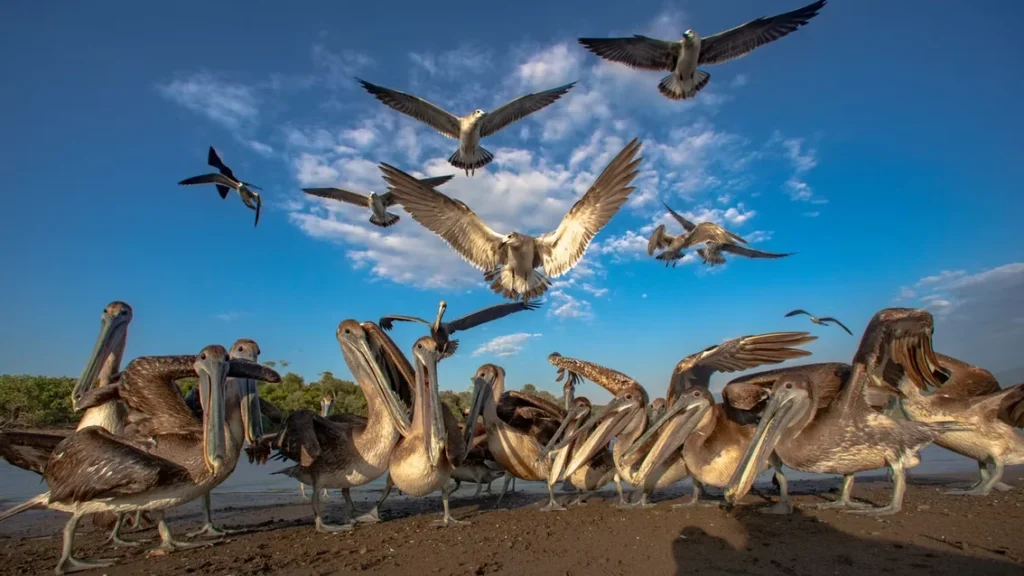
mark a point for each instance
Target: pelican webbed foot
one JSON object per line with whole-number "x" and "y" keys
{"x": 845, "y": 500}
{"x": 781, "y": 508}
{"x": 1002, "y": 487}
{"x": 71, "y": 564}
{"x": 899, "y": 488}
{"x": 552, "y": 506}
{"x": 371, "y": 517}
{"x": 115, "y": 535}
{"x": 448, "y": 520}
{"x": 167, "y": 542}
{"x": 209, "y": 531}
{"x": 326, "y": 528}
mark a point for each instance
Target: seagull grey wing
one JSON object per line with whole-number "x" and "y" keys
{"x": 487, "y": 314}
{"x": 659, "y": 239}
{"x": 639, "y": 52}
{"x": 259, "y": 206}
{"x": 520, "y": 108}
{"x": 441, "y": 120}
{"x": 386, "y": 322}
{"x": 251, "y": 185}
{"x": 213, "y": 178}
{"x": 689, "y": 226}
{"x": 339, "y": 194}
{"x": 838, "y": 323}
{"x": 751, "y": 253}
{"x": 213, "y": 159}
{"x": 562, "y": 248}
{"x": 30, "y": 449}
{"x": 797, "y": 311}
{"x": 450, "y": 219}
{"x": 743, "y": 39}
{"x": 435, "y": 181}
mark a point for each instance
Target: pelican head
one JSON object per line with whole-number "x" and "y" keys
{"x": 212, "y": 366}
{"x": 675, "y": 426}
{"x": 362, "y": 362}
{"x": 248, "y": 390}
{"x": 578, "y": 410}
{"x": 111, "y": 340}
{"x": 426, "y": 355}
{"x": 628, "y": 408}
{"x": 658, "y": 407}
{"x": 790, "y": 407}
{"x": 903, "y": 335}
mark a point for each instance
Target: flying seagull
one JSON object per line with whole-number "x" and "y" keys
{"x": 468, "y": 130}
{"x": 682, "y": 58}
{"x": 225, "y": 181}
{"x": 509, "y": 261}
{"x": 378, "y": 204}
{"x": 715, "y": 239}
{"x": 822, "y": 321}
{"x": 441, "y": 331}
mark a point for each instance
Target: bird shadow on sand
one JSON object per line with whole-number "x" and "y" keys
{"x": 745, "y": 541}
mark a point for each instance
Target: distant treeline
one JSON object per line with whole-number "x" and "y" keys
{"x": 42, "y": 401}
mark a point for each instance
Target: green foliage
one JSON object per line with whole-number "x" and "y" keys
{"x": 33, "y": 401}
{"x": 531, "y": 389}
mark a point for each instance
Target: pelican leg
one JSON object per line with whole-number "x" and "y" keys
{"x": 784, "y": 506}
{"x": 844, "y": 500}
{"x": 167, "y": 541}
{"x": 373, "y": 516}
{"x": 489, "y": 486}
{"x": 899, "y": 488}
{"x": 208, "y": 529}
{"x": 68, "y": 563}
{"x": 302, "y": 491}
{"x": 694, "y": 497}
{"x": 479, "y": 488}
{"x": 115, "y": 534}
{"x": 553, "y": 505}
{"x": 513, "y": 483}
{"x": 991, "y": 472}
{"x": 322, "y": 526}
{"x": 581, "y": 498}
{"x": 458, "y": 484}
{"x": 618, "y": 488}
{"x": 504, "y": 488}
{"x": 447, "y": 520}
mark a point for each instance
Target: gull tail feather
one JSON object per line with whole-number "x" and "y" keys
{"x": 389, "y": 220}
{"x": 675, "y": 89}
{"x": 505, "y": 282}
{"x": 41, "y": 501}
{"x": 479, "y": 159}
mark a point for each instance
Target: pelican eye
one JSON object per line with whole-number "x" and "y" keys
{"x": 696, "y": 394}
{"x": 789, "y": 385}
{"x": 240, "y": 348}
{"x": 348, "y": 330}
{"x": 202, "y": 356}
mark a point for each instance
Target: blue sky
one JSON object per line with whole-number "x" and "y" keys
{"x": 880, "y": 142}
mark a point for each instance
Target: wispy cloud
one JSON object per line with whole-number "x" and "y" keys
{"x": 504, "y": 346}
{"x": 229, "y": 104}
{"x": 230, "y": 316}
{"x": 802, "y": 160}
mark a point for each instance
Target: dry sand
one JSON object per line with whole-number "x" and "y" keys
{"x": 934, "y": 534}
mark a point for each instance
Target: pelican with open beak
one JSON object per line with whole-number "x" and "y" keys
{"x": 593, "y": 474}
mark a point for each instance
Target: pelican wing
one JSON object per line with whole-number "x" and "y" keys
{"x": 838, "y": 323}
{"x": 272, "y": 412}
{"x": 797, "y": 311}
{"x": 963, "y": 380}
{"x": 30, "y": 449}
{"x": 743, "y": 39}
{"x": 339, "y": 194}
{"x": 735, "y": 355}
{"x": 744, "y": 395}
{"x": 441, "y": 120}
{"x": 520, "y": 108}
{"x": 348, "y": 419}
{"x": 306, "y": 436}
{"x": 530, "y": 415}
{"x": 751, "y": 253}
{"x": 826, "y": 377}
{"x": 490, "y": 313}
{"x": 220, "y": 180}
{"x": 607, "y": 378}
{"x": 93, "y": 463}
{"x": 1011, "y": 406}
{"x": 562, "y": 248}
{"x": 450, "y": 219}
{"x": 689, "y": 226}
{"x": 387, "y": 322}
{"x": 639, "y": 52}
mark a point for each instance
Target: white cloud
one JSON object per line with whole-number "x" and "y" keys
{"x": 564, "y": 306}
{"x": 813, "y": 214}
{"x": 226, "y": 103}
{"x": 229, "y": 316}
{"x": 504, "y": 346}
{"x": 261, "y": 148}
{"x": 644, "y": 295}
{"x": 802, "y": 159}
{"x": 453, "y": 63}
{"x": 739, "y": 81}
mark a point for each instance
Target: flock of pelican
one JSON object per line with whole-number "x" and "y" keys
{"x": 142, "y": 447}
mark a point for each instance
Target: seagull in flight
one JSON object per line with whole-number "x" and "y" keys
{"x": 377, "y": 203}
{"x": 682, "y": 58}
{"x": 469, "y": 129}
{"x": 226, "y": 181}
{"x": 442, "y": 331}
{"x": 822, "y": 321}
{"x": 715, "y": 239}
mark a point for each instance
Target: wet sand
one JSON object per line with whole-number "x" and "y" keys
{"x": 934, "y": 534}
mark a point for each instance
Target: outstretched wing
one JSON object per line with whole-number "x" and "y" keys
{"x": 659, "y": 239}
{"x": 639, "y": 52}
{"x": 751, "y": 253}
{"x": 520, "y": 108}
{"x": 797, "y": 311}
{"x": 562, "y": 248}
{"x": 689, "y": 226}
{"x": 838, "y": 323}
{"x": 450, "y": 219}
{"x": 387, "y": 322}
{"x": 826, "y": 377}
{"x": 213, "y": 159}
{"x": 339, "y": 194}
{"x": 223, "y": 182}
{"x": 743, "y": 39}
{"x": 28, "y": 449}
{"x": 490, "y": 313}
{"x": 441, "y": 120}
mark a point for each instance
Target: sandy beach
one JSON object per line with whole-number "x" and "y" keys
{"x": 934, "y": 534}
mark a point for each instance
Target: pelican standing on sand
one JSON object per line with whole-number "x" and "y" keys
{"x": 468, "y": 130}
{"x": 590, "y": 476}
{"x": 823, "y": 321}
{"x": 847, "y": 436}
{"x": 509, "y": 261}
{"x": 682, "y": 58}
{"x": 326, "y": 403}
{"x": 442, "y": 331}
{"x": 377, "y": 203}
{"x": 172, "y": 459}
{"x": 225, "y": 181}
{"x": 715, "y": 239}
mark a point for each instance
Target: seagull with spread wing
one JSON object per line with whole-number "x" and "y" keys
{"x": 441, "y": 331}
{"x": 715, "y": 239}
{"x": 821, "y": 321}
{"x": 226, "y": 181}
{"x": 509, "y": 261}
{"x": 377, "y": 203}
{"x": 469, "y": 129}
{"x": 682, "y": 58}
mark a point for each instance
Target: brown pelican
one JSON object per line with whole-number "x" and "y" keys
{"x": 715, "y": 239}
{"x": 847, "y": 436}
{"x": 823, "y": 321}
{"x": 469, "y": 129}
{"x": 971, "y": 396}
{"x": 225, "y": 180}
{"x": 171, "y": 458}
{"x": 682, "y": 58}
{"x": 509, "y": 261}
{"x": 518, "y": 426}
{"x": 591, "y": 475}
{"x": 442, "y": 331}
{"x": 326, "y": 403}
{"x": 433, "y": 446}
{"x": 332, "y": 454}
{"x": 377, "y": 203}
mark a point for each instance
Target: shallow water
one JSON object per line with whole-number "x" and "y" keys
{"x": 17, "y": 485}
